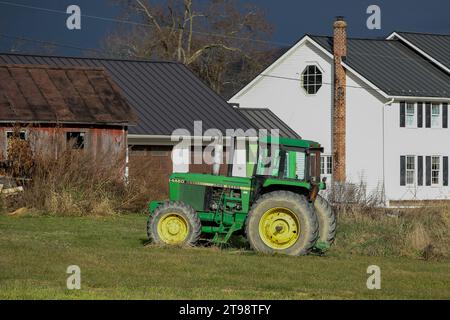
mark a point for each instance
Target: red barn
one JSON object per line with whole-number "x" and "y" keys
{"x": 56, "y": 105}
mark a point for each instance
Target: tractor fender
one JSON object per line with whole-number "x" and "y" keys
{"x": 153, "y": 205}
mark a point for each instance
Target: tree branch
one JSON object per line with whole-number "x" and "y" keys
{"x": 200, "y": 51}
{"x": 149, "y": 15}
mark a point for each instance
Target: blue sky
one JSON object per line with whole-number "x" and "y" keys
{"x": 291, "y": 18}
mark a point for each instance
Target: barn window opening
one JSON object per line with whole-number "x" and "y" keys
{"x": 312, "y": 79}
{"x": 76, "y": 140}
{"x": 22, "y": 135}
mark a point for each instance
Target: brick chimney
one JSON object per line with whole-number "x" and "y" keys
{"x": 339, "y": 118}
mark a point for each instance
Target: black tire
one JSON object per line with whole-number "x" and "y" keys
{"x": 298, "y": 205}
{"x": 180, "y": 209}
{"x": 327, "y": 223}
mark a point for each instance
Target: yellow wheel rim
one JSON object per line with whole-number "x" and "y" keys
{"x": 279, "y": 228}
{"x": 173, "y": 229}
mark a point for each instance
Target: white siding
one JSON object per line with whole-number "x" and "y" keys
{"x": 308, "y": 115}
{"x": 364, "y": 135}
{"x": 415, "y": 142}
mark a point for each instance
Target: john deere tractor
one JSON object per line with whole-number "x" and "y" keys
{"x": 276, "y": 206}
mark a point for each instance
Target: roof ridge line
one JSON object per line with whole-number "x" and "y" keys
{"x": 351, "y": 38}
{"x": 51, "y": 67}
{"x": 87, "y": 58}
{"x": 245, "y": 108}
{"x": 422, "y": 33}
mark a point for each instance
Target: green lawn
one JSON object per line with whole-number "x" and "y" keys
{"x": 35, "y": 252}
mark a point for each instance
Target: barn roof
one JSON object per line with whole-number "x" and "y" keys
{"x": 49, "y": 94}
{"x": 164, "y": 95}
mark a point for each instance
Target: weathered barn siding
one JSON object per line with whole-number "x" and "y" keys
{"x": 51, "y": 140}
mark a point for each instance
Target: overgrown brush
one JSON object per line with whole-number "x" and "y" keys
{"x": 76, "y": 183}
{"x": 366, "y": 226}
{"x": 420, "y": 232}
{"x": 61, "y": 180}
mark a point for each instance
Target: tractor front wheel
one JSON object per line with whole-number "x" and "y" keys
{"x": 282, "y": 222}
{"x": 174, "y": 223}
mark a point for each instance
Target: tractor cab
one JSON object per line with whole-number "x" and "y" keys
{"x": 289, "y": 159}
{"x": 283, "y": 163}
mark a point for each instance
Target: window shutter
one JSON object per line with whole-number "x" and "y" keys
{"x": 428, "y": 171}
{"x": 402, "y": 114}
{"x": 420, "y": 115}
{"x": 428, "y": 114}
{"x": 445, "y": 115}
{"x": 403, "y": 171}
{"x": 420, "y": 170}
{"x": 445, "y": 159}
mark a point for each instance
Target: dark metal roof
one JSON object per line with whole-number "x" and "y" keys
{"x": 393, "y": 67}
{"x": 32, "y": 93}
{"x": 435, "y": 45}
{"x": 165, "y": 95}
{"x": 265, "y": 119}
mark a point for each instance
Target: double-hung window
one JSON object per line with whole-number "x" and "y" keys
{"x": 410, "y": 115}
{"x": 326, "y": 165}
{"x": 410, "y": 170}
{"x": 435, "y": 170}
{"x": 436, "y": 120}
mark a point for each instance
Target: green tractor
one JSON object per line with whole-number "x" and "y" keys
{"x": 277, "y": 206}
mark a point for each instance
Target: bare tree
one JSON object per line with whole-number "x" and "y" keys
{"x": 219, "y": 40}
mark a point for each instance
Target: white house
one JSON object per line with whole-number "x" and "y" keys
{"x": 379, "y": 107}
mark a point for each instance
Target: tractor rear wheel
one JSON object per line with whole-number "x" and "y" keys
{"x": 327, "y": 223}
{"x": 282, "y": 222}
{"x": 174, "y": 223}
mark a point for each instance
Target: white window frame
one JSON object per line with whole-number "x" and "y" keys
{"x": 413, "y": 114}
{"x": 412, "y": 170}
{"x": 436, "y": 119}
{"x": 320, "y": 71}
{"x": 433, "y": 184}
{"x": 326, "y": 165}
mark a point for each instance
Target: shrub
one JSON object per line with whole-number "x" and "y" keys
{"x": 420, "y": 233}
{"x": 78, "y": 183}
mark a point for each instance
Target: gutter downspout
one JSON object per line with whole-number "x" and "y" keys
{"x": 390, "y": 102}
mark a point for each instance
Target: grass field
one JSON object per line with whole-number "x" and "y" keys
{"x": 115, "y": 264}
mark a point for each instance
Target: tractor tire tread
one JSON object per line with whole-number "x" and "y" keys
{"x": 190, "y": 214}
{"x": 327, "y": 220}
{"x": 290, "y": 196}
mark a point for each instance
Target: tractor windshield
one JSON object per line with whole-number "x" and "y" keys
{"x": 288, "y": 163}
